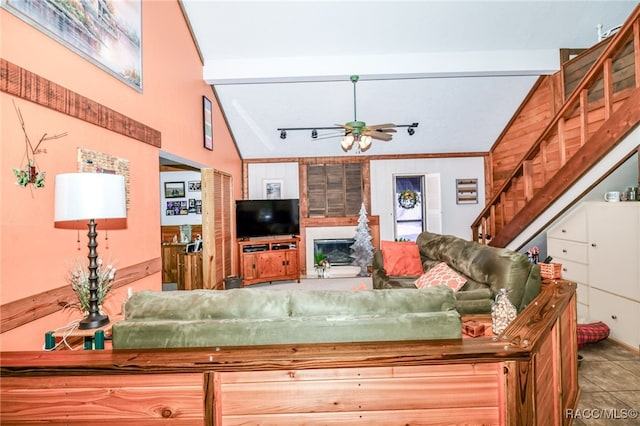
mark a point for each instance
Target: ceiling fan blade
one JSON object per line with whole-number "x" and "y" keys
{"x": 344, "y": 126}
{"x": 384, "y": 130}
{"x": 379, "y": 135}
{"x": 381, "y": 126}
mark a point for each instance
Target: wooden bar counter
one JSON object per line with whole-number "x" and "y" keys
{"x": 525, "y": 376}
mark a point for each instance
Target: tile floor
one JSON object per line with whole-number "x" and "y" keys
{"x": 609, "y": 378}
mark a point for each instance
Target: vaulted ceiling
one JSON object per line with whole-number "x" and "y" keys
{"x": 458, "y": 68}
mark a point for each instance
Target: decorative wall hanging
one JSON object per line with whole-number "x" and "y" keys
{"x": 408, "y": 199}
{"x": 98, "y": 162}
{"x": 174, "y": 190}
{"x": 207, "y": 123}
{"x": 272, "y": 189}
{"x": 466, "y": 191}
{"x": 29, "y": 172}
{"x": 109, "y": 38}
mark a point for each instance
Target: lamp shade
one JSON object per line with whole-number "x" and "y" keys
{"x": 85, "y": 196}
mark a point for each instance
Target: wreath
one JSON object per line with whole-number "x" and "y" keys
{"x": 408, "y": 199}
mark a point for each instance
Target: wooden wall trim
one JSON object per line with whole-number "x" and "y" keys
{"x": 26, "y": 85}
{"x": 362, "y": 158}
{"x": 20, "y": 312}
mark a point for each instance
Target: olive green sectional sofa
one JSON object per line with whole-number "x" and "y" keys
{"x": 487, "y": 270}
{"x": 245, "y": 316}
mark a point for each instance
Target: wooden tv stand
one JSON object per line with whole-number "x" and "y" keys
{"x": 269, "y": 259}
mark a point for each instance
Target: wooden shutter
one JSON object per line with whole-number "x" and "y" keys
{"x": 216, "y": 228}
{"x": 334, "y": 190}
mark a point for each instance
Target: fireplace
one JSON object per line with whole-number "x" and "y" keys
{"x": 337, "y": 250}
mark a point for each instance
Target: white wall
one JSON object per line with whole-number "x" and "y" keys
{"x": 286, "y": 172}
{"x": 456, "y": 219}
{"x": 186, "y": 177}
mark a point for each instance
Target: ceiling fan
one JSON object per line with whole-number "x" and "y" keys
{"x": 356, "y": 132}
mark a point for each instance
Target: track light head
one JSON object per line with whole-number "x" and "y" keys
{"x": 314, "y": 134}
{"x": 410, "y": 131}
{"x": 283, "y": 134}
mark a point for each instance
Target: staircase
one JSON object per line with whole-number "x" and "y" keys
{"x": 568, "y": 123}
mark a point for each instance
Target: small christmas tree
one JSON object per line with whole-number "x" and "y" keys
{"x": 362, "y": 247}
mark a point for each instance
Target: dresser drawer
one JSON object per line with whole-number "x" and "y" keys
{"x": 573, "y": 271}
{"x": 569, "y": 250}
{"x": 582, "y": 294}
{"x": 620, "y": 314}
{"x": 573, "y": 227}
{"x": 583, "y": 313}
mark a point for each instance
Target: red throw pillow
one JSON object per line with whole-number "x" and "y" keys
{"x": 401, "y": 258}
{"x": 441, "y": 274}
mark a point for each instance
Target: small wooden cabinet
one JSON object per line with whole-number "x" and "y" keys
{"x": 273, "y": 259}
{"x": 189, "y": 271}
{"x": 170, "y": 262}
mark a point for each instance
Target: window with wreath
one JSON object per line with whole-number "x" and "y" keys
{"x": 334, "y": 190}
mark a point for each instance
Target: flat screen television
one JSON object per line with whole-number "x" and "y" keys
{"x": 265, "y": 218}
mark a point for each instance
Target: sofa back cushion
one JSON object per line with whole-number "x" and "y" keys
{"x": 382, "y": 302}
{"x": 208, "y": 304}
{"x": 496, "y": 267}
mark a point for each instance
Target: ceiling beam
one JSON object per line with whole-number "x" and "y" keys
{"x": 284, "y": 69}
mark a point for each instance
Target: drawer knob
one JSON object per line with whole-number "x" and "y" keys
{"x": 593, "y": 244}
{"x": 614, "y": 317}
{"x": 564, "y": 230}
{"x": 564, "y": 269}
{"x": 564, "y": 250}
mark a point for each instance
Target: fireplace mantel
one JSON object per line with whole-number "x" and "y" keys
{"x": 320, "y": 222}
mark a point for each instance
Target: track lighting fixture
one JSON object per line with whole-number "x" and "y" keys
{"x": 350, "y": 138}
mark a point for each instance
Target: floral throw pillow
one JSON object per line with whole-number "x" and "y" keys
{"x": 441, "y": 274}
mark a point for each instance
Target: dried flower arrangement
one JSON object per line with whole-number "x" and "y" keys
{"x": 78, "y": 277}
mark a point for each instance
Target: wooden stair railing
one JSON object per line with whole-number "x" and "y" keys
{"x": 593, "y": 119}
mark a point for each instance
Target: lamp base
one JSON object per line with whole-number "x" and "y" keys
{"x": 94, "y": 320}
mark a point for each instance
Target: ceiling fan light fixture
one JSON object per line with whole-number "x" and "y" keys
{"x": 364, "y": 143}
{"x": 347, "y": 142}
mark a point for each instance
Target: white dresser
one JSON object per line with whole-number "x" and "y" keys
{"x": 598, "y": 245}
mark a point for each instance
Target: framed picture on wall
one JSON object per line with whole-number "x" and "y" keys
{"x": 272, "y": 189}
{"x": 207, "y": 120}
{"x": 115, "y": 45}
{"x": 174, "y": 190}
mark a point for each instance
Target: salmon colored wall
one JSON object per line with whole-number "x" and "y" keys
{"x": 34, "y": 256}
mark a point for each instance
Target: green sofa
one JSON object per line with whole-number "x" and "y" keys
{"x": 487, "y": 269}
{"x": 238, "y": 317}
